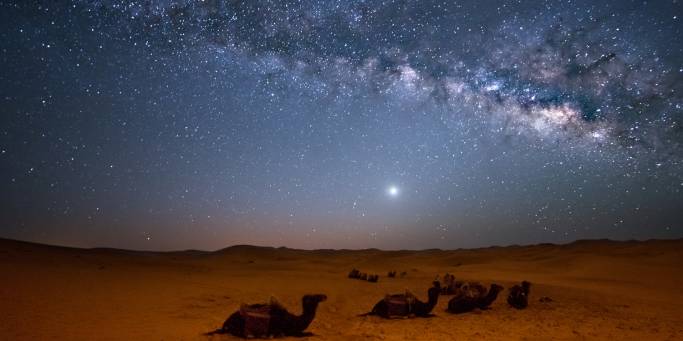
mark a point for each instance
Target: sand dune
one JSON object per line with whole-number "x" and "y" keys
{"x": 599, "y": 290}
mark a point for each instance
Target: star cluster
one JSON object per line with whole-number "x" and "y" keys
{"x": 167, "y": 124}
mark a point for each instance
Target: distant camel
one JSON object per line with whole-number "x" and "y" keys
{"x": 391, "y": 274}
{"x": 354, "y": 273}
{"x": 473, "y": 296}
{"x": 405, "y": 305}
{"x": 450, "y": 286}
{"x": 519, "y": 295}
{"x": 266, "y": 320}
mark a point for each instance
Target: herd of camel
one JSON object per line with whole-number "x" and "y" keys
{"x": 273, "y": 320}
{"x": 356, "y": 274}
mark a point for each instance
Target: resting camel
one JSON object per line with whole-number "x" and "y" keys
{"x": 519, "y": 295}
{"x": 406, "y": 305}
{"x": 473, "y": 296}
{"x": 272, "y": 319}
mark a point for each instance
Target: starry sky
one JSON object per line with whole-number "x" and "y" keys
{"x": 175, "y": 124}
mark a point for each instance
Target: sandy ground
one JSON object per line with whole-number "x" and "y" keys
{"x": 599, "y": 290}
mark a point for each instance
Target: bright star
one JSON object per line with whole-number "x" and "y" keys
{"x": 393, "y": 191}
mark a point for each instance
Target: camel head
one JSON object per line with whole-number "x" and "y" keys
{"x": 314, "y": 299}
{"x": 526, "y": 286}
{"x": 436, "y": 284}
{"x": 496, "y": 288}
{"x": 434, "y": 291}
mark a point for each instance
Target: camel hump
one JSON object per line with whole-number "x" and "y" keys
{"x": 275, "y": 303}
{"x": 395, "y": 297}
{"x": 399, "y": 304}
{"x": 476, "y": 289}
{"x": 256, "y": 319}
{"x": 257, "y": 310}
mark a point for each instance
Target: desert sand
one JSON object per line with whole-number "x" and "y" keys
{"x": 599, "y": 290}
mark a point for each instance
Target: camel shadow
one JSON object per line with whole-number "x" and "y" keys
{"x": 428, "y": 316}
{"x": 304, "y": 334}
{"x": 296, "y": 336}
{"x": 396, "y": 319}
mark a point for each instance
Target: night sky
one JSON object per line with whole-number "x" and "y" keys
{"x": 181, "y": 124}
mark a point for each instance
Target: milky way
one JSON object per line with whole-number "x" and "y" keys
{"x": 328, "y": 124}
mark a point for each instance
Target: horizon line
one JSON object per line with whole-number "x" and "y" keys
{"x": 235, "y": 246}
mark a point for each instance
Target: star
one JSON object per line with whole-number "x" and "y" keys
{"x": 393, "y": 191}
{"x": 217, "y": 120}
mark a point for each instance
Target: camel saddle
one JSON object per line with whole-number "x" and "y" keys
{"x": 256, "y": 319}
{"x": 399, "y": 304}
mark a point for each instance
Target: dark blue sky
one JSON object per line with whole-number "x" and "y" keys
{"x": 201, "y": 124}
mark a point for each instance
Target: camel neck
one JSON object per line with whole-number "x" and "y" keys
{"x": 307, "y": 316}
{"x": 491, "y": 296}
{"x": 433, "y": 298}
{"x": 309, "y": 309}
{"x": 525, "y": 289}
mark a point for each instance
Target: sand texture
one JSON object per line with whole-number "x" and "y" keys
{"x": 599, "y": 290}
